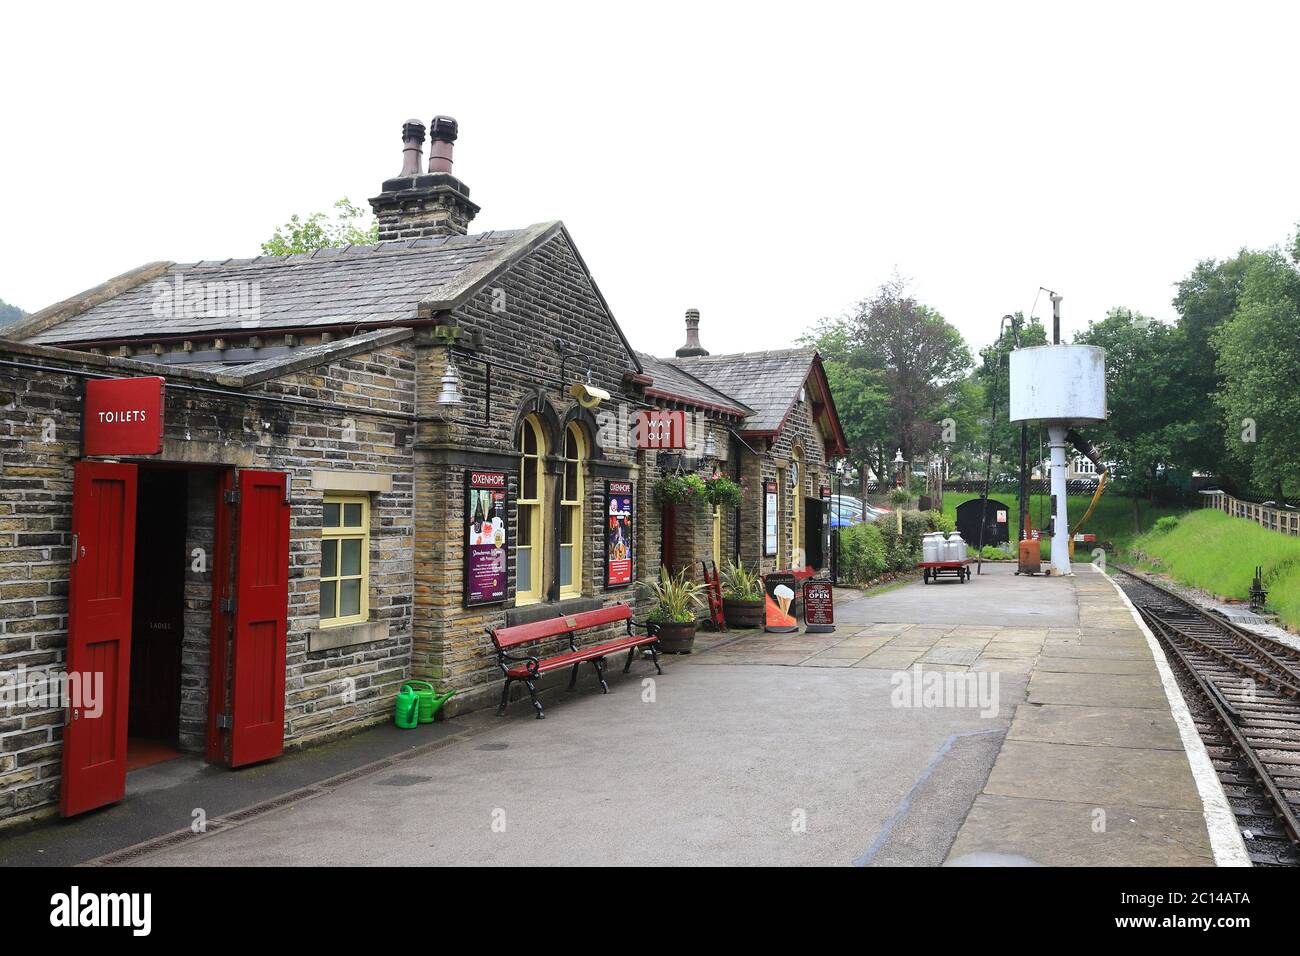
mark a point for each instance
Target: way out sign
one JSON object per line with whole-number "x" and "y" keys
{"x": 818, "y": 607}
{"x": 122, "y": 416}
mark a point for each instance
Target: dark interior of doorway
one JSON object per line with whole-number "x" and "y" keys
{"x": 158, "y": 617}
{"x": 814, "y": 533}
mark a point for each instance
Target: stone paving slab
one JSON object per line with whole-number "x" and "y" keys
{"x": 1049, "y": 833}
{"x": 1098, "y": 690}
{"x": 1096, "y": 726}
{"x": 1094, "y": 774}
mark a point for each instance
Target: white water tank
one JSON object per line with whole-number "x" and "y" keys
{"x": 1058, "y": 383}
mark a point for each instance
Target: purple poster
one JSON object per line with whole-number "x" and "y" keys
{"x": 485, "y": 547}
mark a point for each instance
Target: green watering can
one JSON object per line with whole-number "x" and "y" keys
{"x": 406, "y": 714}
{"x": 429, "y": 701}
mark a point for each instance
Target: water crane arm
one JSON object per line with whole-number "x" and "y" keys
{"x": 1087, "y": 449}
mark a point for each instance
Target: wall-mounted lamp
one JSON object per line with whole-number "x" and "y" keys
{"x": 449, "y": 398}
{"x": 588, "y": 395}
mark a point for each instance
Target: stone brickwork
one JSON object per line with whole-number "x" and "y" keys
{"x": 328, "y": 691}
{"x": 511, "y": 325}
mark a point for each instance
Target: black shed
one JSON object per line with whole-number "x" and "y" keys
{"x": 997, "y": 522}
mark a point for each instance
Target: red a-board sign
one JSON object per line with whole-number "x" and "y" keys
{"x": 818, "y": 607}
{"x": 123, "y": 416}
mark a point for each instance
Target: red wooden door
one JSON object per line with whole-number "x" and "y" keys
{"x": 99, "y": 635}
{"x": 261, "y": 617}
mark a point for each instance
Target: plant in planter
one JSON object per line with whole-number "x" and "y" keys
{"x": 742, "y": 596}
{"x": 678, "y": 598}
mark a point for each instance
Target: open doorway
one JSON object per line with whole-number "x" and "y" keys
{"x": 157, "y": 617}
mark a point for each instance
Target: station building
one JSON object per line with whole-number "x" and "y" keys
{"x": 252, "y": 496}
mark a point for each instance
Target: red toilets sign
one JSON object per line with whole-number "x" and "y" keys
{"x": 123, "y": 416}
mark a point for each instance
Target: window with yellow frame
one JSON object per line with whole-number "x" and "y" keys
{"x": 530, "y": 504}
{"x": 572, "y": 491}
{"x": 345, "y": 560}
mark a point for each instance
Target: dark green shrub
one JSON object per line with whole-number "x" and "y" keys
{"x": 862, "y": 553}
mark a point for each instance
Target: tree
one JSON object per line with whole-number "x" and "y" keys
{"x": 859, "y": 392}
{"x": 1150, "y": 401}
{"x": 1207, "y": 298}
{"x": 1259, "y": 368}
{"x": 319, "y": 231}
{"x": 995, "y": 371}
{"x": 920, "y": 360}
{"x": 9, "y": 313}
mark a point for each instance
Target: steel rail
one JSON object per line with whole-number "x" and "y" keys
{"x": 1281, "y": 806}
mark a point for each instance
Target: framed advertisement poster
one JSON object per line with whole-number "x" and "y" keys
{"x": 618, "y": 533}
{"x": 486, "y": 532}
{"x": 769, "y": 518}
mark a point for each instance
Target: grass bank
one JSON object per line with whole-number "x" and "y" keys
{"x": 1211, "y": 550}
{"x": 1112, "y": 521}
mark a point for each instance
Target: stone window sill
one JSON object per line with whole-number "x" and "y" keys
{"x": 349, "y": 635}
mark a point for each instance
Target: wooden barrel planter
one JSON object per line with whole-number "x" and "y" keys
{"x": 742, "y": 613}
{"x": 676, "y": 638}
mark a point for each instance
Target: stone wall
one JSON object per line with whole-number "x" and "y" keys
{"x": 329, "y": 689}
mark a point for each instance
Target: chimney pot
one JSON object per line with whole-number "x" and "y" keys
{"x": 692, "y": 346}
{"x": 416, "y": 204}
{"x": 443, "y": 132}
{"x": 412, "y": 147}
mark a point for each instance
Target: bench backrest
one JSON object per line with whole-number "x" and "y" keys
{"x": 504, "y": 637}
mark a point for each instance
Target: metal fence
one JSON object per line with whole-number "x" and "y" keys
{"x": 1275, "y": 519}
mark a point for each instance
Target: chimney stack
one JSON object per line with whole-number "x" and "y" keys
{"x": 415, "y": 204}
{"x": 692, "y": 346}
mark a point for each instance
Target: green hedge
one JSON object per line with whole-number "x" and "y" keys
{"x": 869, "y": 550}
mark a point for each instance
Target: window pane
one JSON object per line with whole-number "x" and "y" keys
{"x": 570, "y": 444}
{"x": 328, "y": 596}
{"x": 530, "y": 479}
{"x": 350, "y": 597}
{"x": 329, "y": 558}
{"x": 566, "y": 565}
{"x": 351, "y": 563}
{"x": 352, "y": 515}
{"x": 566, "y": 524}
{"x": 331, "y": 517}
{"x": 570, "y": 481}
{"x": 524, "y": 535}
{"x": 524, "y": 569}
{"x": 530, "y": 439}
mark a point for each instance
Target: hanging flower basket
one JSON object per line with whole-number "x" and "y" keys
{"x": 676, "y": 489}
{"x": 722, "y": 491}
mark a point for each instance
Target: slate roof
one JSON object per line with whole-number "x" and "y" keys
{"x": 767, "y": 382}
{"x": 388, "y": 282}
{"x": 673, "y": 383}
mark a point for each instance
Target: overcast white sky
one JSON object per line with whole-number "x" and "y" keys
{"x": 767, "y": 165}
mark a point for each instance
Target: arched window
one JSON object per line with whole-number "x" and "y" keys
{"x": 796, "y": 509}
{"x": 571, "y": 511}
{"x": 532, "y": 497}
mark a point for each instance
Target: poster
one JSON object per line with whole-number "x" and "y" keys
{"x": 769, "y": 518}
{"x": 486, "y": 567}
{"x": 618, "y": 537}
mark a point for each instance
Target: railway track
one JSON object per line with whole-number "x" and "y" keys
{"x": 1243, "y": 690}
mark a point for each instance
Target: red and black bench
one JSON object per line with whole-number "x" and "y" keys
{"x": 521, "y": 667}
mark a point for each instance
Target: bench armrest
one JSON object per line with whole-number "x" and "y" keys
{"x": 650, "y": 627}
{"x": 503, "y": 659}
